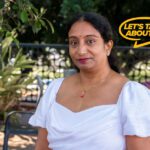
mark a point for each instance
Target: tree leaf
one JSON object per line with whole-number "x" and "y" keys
{"x": 50, "y": 24}
{"x": 24, "y": 16}
{"x": 42, "y": 10}
{"x": 36, "y": 27}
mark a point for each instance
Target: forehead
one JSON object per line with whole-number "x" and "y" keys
{"x": 81, "y": 29}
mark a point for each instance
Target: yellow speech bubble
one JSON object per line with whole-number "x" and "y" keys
{"x": 134, "y": 30}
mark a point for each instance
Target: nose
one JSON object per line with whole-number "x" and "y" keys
{"x": 82, "y": 49}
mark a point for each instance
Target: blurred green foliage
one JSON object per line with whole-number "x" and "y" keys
{"x": 15, "y": 17}
{"x": 60, "y": 11}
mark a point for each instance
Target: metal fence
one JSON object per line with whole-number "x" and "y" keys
{"x": 53, "y": 59}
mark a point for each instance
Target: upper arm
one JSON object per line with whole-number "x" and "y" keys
{"x": 42, "y": 142}
{"x": 137, "y": 143}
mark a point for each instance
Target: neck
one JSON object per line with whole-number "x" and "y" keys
{"x": 93, "y": 77}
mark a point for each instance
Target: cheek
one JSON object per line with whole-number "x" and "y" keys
{"x": 72, "y": 56}
{"x": 100, "y": 50}
{"x": 72, "y": 53}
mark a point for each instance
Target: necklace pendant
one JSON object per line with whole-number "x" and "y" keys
{"x": 82, "y": 94}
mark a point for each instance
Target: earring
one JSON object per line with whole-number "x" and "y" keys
{"x": 108, "y": 53}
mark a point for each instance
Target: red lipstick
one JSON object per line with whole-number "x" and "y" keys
{"x": 83, "y": 60}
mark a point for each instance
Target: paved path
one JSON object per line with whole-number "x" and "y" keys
{"x": 19, "y": 142}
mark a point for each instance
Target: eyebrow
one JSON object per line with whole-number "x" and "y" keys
{"x": 85, "y": 36}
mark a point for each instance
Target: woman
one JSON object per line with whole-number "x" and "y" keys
{"x": 97, "y": 108}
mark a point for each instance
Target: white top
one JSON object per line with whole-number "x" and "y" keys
{"x": 101, "y": 127}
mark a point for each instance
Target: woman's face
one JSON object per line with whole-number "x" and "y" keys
{"x": 87, "y": 47}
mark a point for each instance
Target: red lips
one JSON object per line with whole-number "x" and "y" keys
{"x": 83, "y": 60}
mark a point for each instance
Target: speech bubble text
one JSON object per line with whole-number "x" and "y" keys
{"x": 135, "y": 29}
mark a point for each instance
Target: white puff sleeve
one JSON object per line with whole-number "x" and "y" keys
{"x": 38, "y": 119}
{"x": 134, "y": 104}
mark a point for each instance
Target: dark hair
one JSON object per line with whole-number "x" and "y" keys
{"x": 101, "y": 24}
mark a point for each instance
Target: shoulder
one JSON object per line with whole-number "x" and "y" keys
{"x": 134, "y": 108}
{"x": 54, "y": 84}
{"x": 68, "y": 81}
{"x": 134, "y": 88}
{"x": 57, "y": 81}
{"x": 51, "y": 90}
{"x": 67, "y": 85}
{"x": 39, "y": 117}
{"x": 134, "y": 97}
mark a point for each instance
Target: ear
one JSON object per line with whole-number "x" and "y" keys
{"x": 108, "y": 47}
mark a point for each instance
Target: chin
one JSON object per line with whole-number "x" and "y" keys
{"x": 85, "y": 68}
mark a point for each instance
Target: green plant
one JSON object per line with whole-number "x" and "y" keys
{"x": 15, "y": 17}
{"x": 12, "y": 81}
{"x": 71, "y": 7}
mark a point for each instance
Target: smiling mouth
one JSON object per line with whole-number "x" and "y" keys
{"x": 83, "y": 60}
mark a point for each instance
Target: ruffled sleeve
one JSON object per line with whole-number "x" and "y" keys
{"x": 134, "y": 104}
{"x": 38, "y": 119}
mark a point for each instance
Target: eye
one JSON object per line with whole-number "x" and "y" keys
{"x": 73, "y": 43}
{"x": 90, "y": 41}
